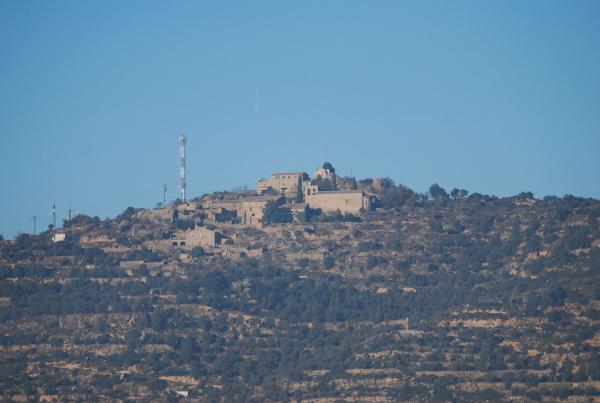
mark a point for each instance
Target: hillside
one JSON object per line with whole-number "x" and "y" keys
{"x": 453, "y": 298}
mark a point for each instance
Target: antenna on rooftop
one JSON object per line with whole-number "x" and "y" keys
{"x": 34, "y": 225}
{"x": 164, "y": 189}
{"x": 182, "y": 141}
{"x": 70, "y": 217}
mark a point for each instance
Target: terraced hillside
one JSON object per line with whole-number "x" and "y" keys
{"x": 474, "y": 298}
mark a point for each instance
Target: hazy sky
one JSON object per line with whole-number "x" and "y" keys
{"x": 496, "y": 97}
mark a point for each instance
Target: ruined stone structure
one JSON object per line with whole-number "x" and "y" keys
{"x": 187, "y": 208}
{"x": 162, "y": 214}
{"x": 96, "y": 240}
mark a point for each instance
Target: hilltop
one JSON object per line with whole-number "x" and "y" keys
{"x": 279, "y": 296}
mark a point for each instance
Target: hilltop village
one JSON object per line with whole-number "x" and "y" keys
{"x": 323, "y": 289}
{"x": 213, "y": 223}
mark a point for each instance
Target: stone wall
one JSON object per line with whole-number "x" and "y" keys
{"x": 96, "y": 239}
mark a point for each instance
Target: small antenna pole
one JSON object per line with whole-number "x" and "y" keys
{"x": 34, "y": 225}
{"x": 164, "y": 189}
{"x": 53, "y": 215}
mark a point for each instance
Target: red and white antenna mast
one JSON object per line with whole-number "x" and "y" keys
{"x": 182, "y": 141}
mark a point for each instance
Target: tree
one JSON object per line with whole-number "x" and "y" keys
{"x": 437, "y": 192}
{"x": 385, "y": 183}
{"x": 275, "y": 214}
{"x": 125, "y": 215}
{"x": 396, "y": 196}
{"x": 524, "y": 196}
{"x": 459, "y": 193}
{"x": 299, "y": 193}
{"x": 329, "y": 262}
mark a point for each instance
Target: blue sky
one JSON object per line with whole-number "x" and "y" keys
{"x": 496, "y": 97}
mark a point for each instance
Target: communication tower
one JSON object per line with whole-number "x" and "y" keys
{"x": 53, "y": 215}
{"x": 182, "y": 141}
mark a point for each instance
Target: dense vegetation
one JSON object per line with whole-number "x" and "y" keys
{"x": 454, "y": 297}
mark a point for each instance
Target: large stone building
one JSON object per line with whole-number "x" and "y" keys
{"x": 320, "y": 193}
{"x": 248, "y": 210}
{"x": 285, "y": 183}
{"x": 346, "y": 201}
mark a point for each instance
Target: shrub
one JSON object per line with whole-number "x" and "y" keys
{"x": 198, "y": 251}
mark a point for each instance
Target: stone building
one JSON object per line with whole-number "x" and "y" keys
{"x": 284, "y": 183}
{"x": 288, "y": 184}
{"x": 309, "y": 189}
{"x": 327, "y": 173}
{"x": 321, "y": 193}
{"x": 248, "y": 210}
{"x": 58, "y": 237}
{"x": 199, "y": 236}
{"x": 346, "y": 201}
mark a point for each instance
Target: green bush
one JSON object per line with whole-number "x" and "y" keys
{"x": 198, "y": 251}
